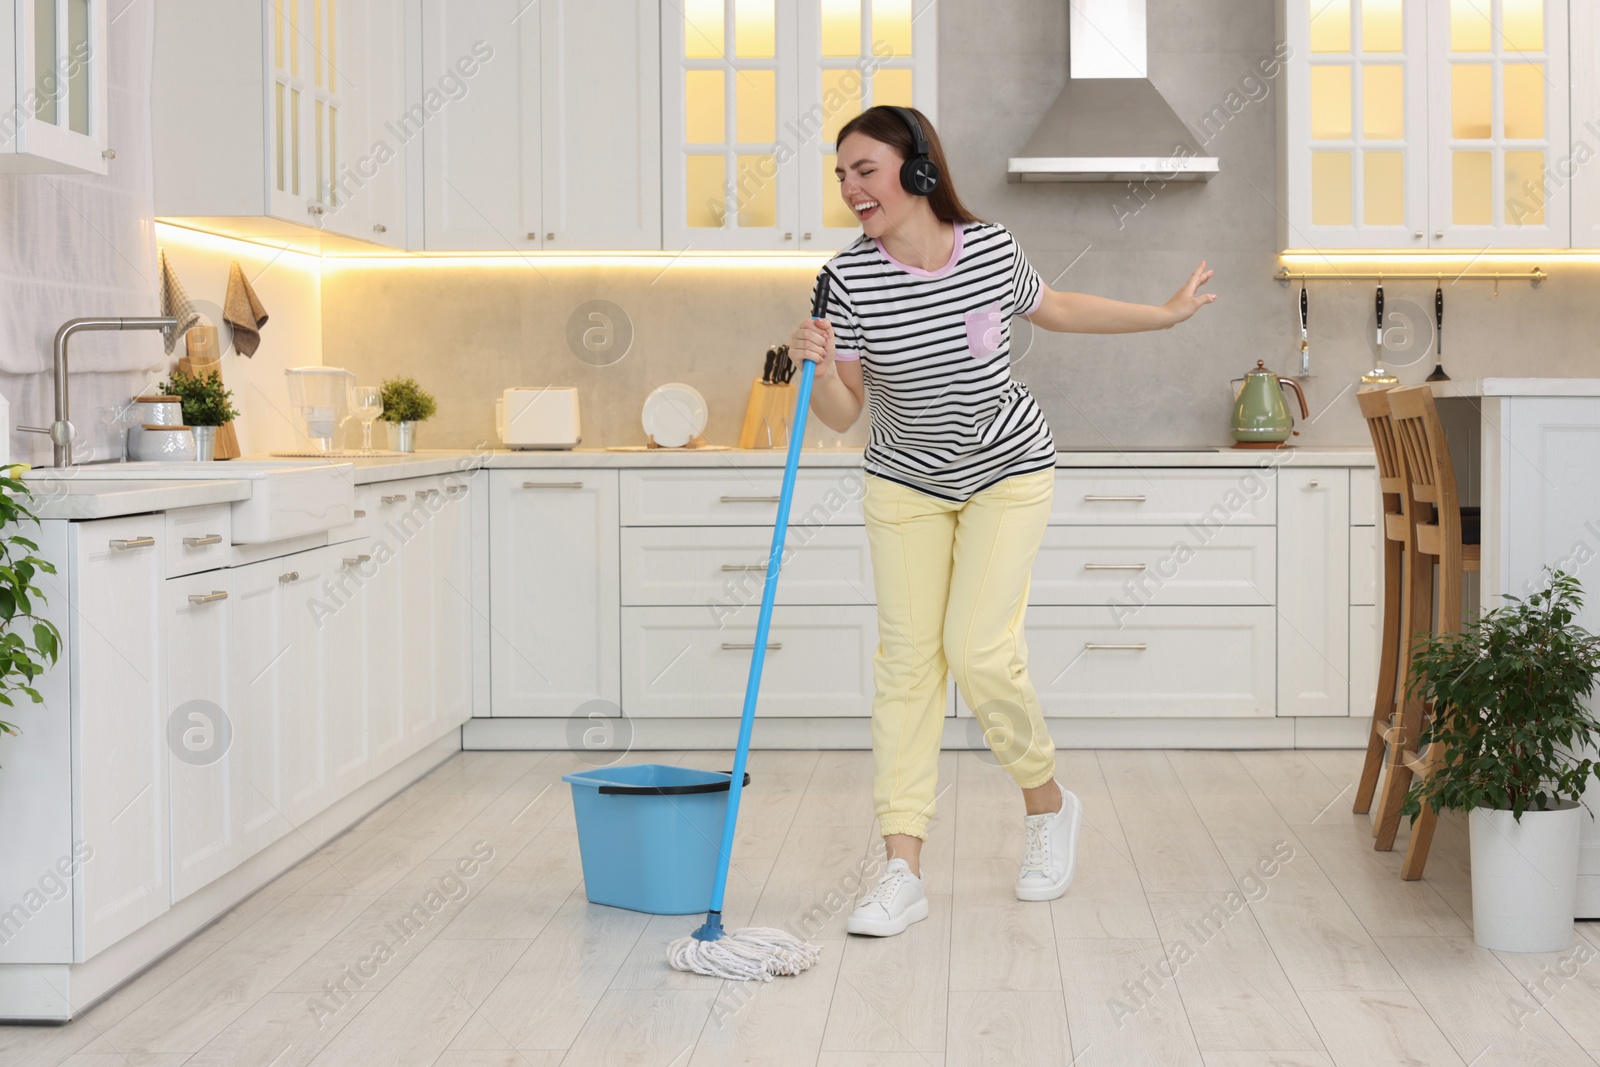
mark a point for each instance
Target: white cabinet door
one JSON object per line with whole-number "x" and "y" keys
{"x": 255, "y": 707}
{"x": 419, "y": 600}
{"x": 1313, "y": 591}
{"x": 204, "y": 764}
{"x": 1354, "y": 124}
{"x": 1498, "y": 110}
{"x": 340, "y": 622}
{"x": 382, "y": 593}
{"x": 116, "y": 634}
{"x": 1363, "y": 658}
{"x": 1584, "y": 33}
{"x": 554, "y": 603}
{"x": 363, "y": 150}
{"x": 54, "y": 92}
{"x": 480, "y": 130}
{"x": 452, "y": 614}
{"x": 601, "y": 129}
{"x": 307, "y": 769}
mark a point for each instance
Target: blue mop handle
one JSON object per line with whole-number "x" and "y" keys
{"x": 769, "y": 591}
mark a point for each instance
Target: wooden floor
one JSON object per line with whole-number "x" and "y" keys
{"x": 1228, "y": 911}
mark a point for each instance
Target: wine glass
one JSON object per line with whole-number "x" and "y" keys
{"x": 368, "y": 405}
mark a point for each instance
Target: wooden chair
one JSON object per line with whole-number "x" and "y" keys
{"x": 1395, "y": 493}
{"x": 1435, "y": 539}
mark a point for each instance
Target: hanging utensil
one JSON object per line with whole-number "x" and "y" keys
{"x": 1305, "y": 345}
{"x": 1379, "y": 376}
{"x": 1438, "y": 374}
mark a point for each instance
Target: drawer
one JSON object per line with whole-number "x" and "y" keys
{"x": 198, "y": 539}
{"x": 746, "y": 497}
{"x": 676, "y": 662}
{"x": 1203, "y": 498}
{"x": 1363, "y": 564}
{"x": 1167, "y": 662}
{"x": 1363, "y": 496}
{"x": 397, "y": 510}
{"x": 723, "y": 568}
{"x": 1128, "y": 567}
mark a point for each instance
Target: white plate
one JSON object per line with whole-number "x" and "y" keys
{"x": 674, "y": 415}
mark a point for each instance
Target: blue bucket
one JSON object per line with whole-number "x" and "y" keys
{"x": 649, "y": 835}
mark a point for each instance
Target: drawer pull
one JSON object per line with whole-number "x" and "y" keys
{"x": 396, "y": 499}
{"x": 749, "y": 500}
{"x": 734, "y": 646}
{"x": 552, "y": 485}
{"x": 1102, "y": 646}
{"x": 744, "y": 566}
{"x": 360, "y": 513}
{"x": 132, "y": 542}
{"x": 1103, "y": 498}
{"x": 1113, "y": 566}
{"x": 208, "y": 539}
{"x": 423, "y": 494}
{"x": 454, "y": 489}
{"x": 356, "y": 561}
{"x": 1314, "y": 483}
{"x": 292, "y": 576}
{"x": 208, "y": 598}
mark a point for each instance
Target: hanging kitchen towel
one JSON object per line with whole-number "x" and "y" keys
{"x": 243, "y": 311}
{"x": 175, "y": 302}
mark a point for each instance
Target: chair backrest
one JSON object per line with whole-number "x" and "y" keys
{"x": 1391, "y": 467}
{"x": 1427, "y": 457}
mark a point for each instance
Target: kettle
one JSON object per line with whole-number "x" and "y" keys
{"x": 1261, "y": 418}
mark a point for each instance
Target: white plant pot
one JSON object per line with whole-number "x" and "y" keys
{"x": 1524, "y": 878}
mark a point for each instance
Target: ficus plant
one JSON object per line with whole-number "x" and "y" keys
{"x": 1508, "y": 695}
{"x": 28, "y": 643}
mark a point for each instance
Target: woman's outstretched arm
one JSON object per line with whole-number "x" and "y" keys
{"x": 1081, "y": 313}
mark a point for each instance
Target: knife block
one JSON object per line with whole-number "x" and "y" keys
{"x": 202, "y": 358}
{"x": 771, "y": 410}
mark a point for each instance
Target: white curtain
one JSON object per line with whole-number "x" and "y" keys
{"x": 76, "y": 245}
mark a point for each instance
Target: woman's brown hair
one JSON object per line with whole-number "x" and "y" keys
{"x": 884, "y": 125}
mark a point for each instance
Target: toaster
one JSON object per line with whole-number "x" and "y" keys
{"x": 538, "y": 417}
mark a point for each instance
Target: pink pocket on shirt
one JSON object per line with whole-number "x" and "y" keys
{"x": 985, "y": 331}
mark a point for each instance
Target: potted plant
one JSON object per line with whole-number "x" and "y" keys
{"x": 27, "y": 642}
{"x": 206, "y": 405}
{"x": 1509, "y": 696}
{"x": 404, "y": 405}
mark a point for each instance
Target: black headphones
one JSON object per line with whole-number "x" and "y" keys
{"x": 919, "y": 175}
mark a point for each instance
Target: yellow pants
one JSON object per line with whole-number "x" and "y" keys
{"x": 952, "y": 589}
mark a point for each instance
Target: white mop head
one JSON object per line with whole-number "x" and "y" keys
{"x": 757, "y": 952}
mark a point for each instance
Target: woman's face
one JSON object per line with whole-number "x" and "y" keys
{"x": 869, "y": 181}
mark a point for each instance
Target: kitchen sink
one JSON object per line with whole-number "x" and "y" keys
{"x": 288, "y": 497}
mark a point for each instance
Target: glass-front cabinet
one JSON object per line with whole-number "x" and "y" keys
{"x": 753, "y": 95}
{"x": 1414, "y": 125}
{"x": 54, "y": 99}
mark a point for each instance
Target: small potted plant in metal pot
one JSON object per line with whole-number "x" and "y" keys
{"x": 206, "y": 405}
{"x": 1510, "y": 696}
{"x": 404, "y": 405}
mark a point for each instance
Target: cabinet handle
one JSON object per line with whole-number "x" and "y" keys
{"x": 1101, "y": 498}
{"x": 552, "y": 485}
{"x": 1113, "y": 566}
{"x": 744, "y": 566}
{"x": 360, "y": 514}
{"x": 788, "y": 236}
{"x": 292, "y": 576}
{"x": 1312, "y": 484}
{"x": 805, "y": 237}
{"x": 354, "y": 561}
{"x": 378, "y": 227}
{"x": 423, "y": 494}
{"x": 315, "y": 209}
{"x": 132, "y": 542}
{"x": 208, "y": 539}
{"x": 454, "y": 489}
{"x": 1095, "y": 646}
{"x": 735, "y": 646}
{"x": 533, "y": 237}
{"x": 397, "y": 498}
{"x": 109, "y": 153}
{"x": 207, "y": 598}
{"x": 1437, "y": 234}
{"x": 749, "y": 500}
{"x": 549, "y": 237}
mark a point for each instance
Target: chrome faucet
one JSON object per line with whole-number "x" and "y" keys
{"x": 61, "y": 431}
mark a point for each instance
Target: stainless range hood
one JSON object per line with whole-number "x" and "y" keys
{"x": 1109, "y": 123}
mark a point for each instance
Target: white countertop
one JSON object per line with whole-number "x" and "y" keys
{"x": 84, "y": 497}
{"x": 1517, "y": 387}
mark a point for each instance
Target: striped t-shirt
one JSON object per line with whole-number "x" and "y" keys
{"x": 946, "y": 417}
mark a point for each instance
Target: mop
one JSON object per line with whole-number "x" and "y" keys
{"x": 758, "y": 952}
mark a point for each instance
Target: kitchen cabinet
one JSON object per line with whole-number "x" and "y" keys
{"x": 1313, "y": 618}
{"x": 53, "y": 87}
{"x": 554, "y": 140}
{"x": 752, "y": 98}
{"x": 281, "y": 111}
{"x": 342, "y": 622}
{"x": 1429, "y": 125}
{"x": 207, "y": 763}
{"x": 1577, "y": 170}
{"x": 117, "y": 644}
{"x": 554, "y": 600}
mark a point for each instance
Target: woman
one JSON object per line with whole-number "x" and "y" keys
{"x": 960, "y": 467}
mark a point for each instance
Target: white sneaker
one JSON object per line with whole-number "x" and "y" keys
{"x": 1052, "y": 851}
{"x": 896, "y": 903}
